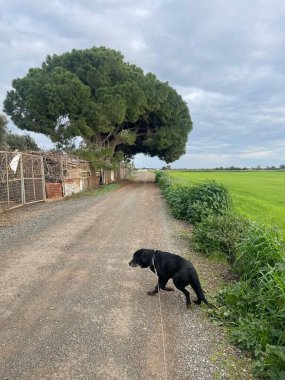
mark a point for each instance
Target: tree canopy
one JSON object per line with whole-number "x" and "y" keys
{"x": 21, "y": 142}
{"x": 12, "y": 141}
{"x": 3, "y": 132}
{"x": 112, "y": 105}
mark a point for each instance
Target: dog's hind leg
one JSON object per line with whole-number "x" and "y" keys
{"x": 187, "y": 296}
{"x": 180, "y": 285}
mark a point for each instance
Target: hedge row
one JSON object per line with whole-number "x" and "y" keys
{"x": 253, "y": 307}
{"x": 194, "y": 204}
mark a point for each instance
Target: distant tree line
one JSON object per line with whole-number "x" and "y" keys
{"x": 12, "y": 141}
{"x": 233, "y": 168}
{"x": 258, "y": 167}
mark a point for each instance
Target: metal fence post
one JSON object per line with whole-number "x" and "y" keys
{"x": 7, "y": 177}
{"x": 23, "y": 195}
{"x": 33, "y": 180}
{"x": 43, "y": 178}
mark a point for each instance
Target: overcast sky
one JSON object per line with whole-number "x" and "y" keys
{"x": 225, "y": 57}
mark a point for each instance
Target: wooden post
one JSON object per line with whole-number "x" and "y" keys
{"x": 61, "y": 168}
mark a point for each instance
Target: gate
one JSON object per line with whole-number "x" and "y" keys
{"x": 21, "y": 179}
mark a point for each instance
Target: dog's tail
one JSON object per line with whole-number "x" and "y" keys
{"x": 196, "y": 285}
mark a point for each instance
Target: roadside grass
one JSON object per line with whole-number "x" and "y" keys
{"x": 257, "y": 195}
{"x": 253, "y": 305}
{"x": 94, "y": 192}
{"x": 237, "y": 367}
{"x": 214, "y": 272}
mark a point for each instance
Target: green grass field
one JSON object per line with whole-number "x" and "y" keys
{"x": 258, "y": 195}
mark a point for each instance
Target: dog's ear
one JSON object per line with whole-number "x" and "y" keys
{"x": 144, "y": 256}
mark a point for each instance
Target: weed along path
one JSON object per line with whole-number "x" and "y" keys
{"x": 72, "y": 308}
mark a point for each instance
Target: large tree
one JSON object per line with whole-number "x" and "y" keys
{"x": 111, "y": 104}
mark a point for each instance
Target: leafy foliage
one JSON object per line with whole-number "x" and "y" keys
{"x": 3, "y": 132}
{"x": 194, "y": 203}
{"x": 222, "y": 233}
{"x": 100, "y": 158}
{"x": 111, "y": 104}
{"x": 178, "y": 197}
{"x": 261, "y": 247}
{"x": 207, "y": 199}
{"x": 163, "y": 180}
{"x": 12, "y": 141}
{"x": 21, "y": 142}
{"x": 253, "y": 307}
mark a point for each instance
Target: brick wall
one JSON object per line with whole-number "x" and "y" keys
{"x": 53, "y": 190}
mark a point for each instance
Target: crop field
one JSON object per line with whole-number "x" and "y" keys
{"x": 258, "y": 195}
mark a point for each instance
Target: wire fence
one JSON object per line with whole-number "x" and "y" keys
{"x": 21, "y": 179}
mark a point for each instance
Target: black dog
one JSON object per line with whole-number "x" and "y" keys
{"x": 167, "y": 265}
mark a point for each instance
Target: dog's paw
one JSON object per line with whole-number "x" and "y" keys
{"x": 197, "y": 302}
{"x": 152, "y": 293}
{"x": 189, "y": 305}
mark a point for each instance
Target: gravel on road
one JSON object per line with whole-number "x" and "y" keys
{"x": 72, "y": 308}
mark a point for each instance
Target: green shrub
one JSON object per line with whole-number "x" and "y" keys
{"x": 271, "y": 299}
{"x": 262, "y": 246}
{"x": 235, "y": 301}
{"x": 256, "y": 324}
{"x": 209, "y": 198}
{"x": 194, "y": 203}
{"x": 163, "y": 180}
{"x": 252, "y": 335}
{"x": 178, "y": 198}
{"x": 255, "y": 306}
{"x": 220, "y": 234}
{"x": 273, "y": 363}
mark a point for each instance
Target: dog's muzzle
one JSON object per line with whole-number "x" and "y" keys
{"x": 132, "y": 263}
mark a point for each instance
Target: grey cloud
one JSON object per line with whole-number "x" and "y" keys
{"x": 225, "y": 58}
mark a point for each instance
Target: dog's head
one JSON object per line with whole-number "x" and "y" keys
{"x": 142, "y": 258}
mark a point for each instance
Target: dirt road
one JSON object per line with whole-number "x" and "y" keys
{"x": 72, "y": 308}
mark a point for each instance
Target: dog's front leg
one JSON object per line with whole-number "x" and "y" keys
{"x": 153, "y": 292}
{"x": 161, "y": 284}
